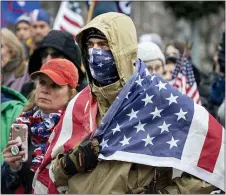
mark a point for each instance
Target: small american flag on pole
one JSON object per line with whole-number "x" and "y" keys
{"x": 69, "y": 18}
{"x": 152, "y": 123}
{"x": 184, "y": 79}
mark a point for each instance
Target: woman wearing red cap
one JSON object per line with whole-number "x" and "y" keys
{"x": 55, "y": 87}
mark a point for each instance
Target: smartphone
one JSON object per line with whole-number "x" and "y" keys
{"x": 20, "y": 133}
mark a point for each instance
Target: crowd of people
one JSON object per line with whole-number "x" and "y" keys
{"x": 44, "y": 71}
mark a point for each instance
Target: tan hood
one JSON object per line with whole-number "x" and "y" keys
{"x": 121, "y": 34}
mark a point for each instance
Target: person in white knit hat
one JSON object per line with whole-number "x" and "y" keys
{"x": 152, "y": 56}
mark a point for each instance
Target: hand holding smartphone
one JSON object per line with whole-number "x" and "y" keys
{"x": 20, "y": 134}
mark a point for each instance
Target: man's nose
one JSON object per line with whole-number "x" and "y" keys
{"x": 38, "y": 31}
{"x": 96, "y": 46}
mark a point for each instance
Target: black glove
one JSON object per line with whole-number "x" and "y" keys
{"x": 82, "y": 158}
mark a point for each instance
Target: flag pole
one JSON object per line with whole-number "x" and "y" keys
{"x": 183, "y": 90}
{"x": 90, "y": 15}
{"x": 91, "y": 9}
{"x": 183, "y": 56}
{"x": 184, "y": 53}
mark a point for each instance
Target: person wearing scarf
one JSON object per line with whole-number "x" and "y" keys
{"x": 55, "y": 87}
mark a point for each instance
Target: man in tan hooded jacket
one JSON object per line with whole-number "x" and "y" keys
{"x": 116, "y": 33}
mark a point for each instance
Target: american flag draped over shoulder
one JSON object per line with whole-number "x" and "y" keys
{"x": 78, "y": 121}
{"x": 69, "y": 18}
{"x": 184, "y": 79}
{"x": 152, "y": 123}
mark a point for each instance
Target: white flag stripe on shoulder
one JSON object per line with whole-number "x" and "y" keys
{"x": 67, "y": 127}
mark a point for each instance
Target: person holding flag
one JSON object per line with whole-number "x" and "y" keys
{"x": 144, "y": 126}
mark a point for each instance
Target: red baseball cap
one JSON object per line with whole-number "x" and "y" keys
{"x": 61, "y": 71}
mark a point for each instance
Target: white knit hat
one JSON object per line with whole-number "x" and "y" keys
{"x": 148, "y": 51}
{"x": 153, "y": 37}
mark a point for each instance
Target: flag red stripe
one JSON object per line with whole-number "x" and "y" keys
{"x": 194, "y": 94}
{"x": 80, "y": 121}
{"x": 211, "y": 146}
{"x": 72, "y": 21}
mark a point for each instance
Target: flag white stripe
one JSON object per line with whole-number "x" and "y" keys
{"x": 39, "y": 187}
{"x": 192, "y": 90}
{"x": 87, "y": 103}
{"x": 59, "y": 16}
{"x": 184, "y": 85}
{"x": 69, "y": 27}
{"x": 195, "y": 140}
{"x": 178, "y": 82}
{"x": 72, "y": 16}
{"x": 66, "y": 129}
{"x": 91, "y": 122}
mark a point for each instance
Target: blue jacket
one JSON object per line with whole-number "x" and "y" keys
{"x": 217, "y": 91}
{"x": 9, "y": 180}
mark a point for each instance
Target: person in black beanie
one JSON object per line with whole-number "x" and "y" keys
{"x": 56, "y": 44}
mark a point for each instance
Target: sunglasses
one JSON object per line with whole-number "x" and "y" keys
{"x": 53, "y": 54}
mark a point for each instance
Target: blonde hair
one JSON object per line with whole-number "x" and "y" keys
{"x": 17, "y": 49}
{"x": 31, "y": 98}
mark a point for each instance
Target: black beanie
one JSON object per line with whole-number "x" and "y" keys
{"x": 61, "y": 41}
{"x": 94, "y": 33}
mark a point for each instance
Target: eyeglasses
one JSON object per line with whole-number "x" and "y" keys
{"x": 53, "y": 54}
{"x": 152, "y": 69}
